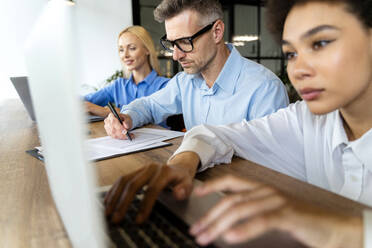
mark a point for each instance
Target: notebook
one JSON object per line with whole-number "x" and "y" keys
{"x": 23, "y": 90}
{"x": 107, "y": 147}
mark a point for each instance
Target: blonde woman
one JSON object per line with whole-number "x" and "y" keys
{"x": 140, "y": 65}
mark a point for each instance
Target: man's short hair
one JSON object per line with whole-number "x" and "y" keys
{"x": 209, "y": 10}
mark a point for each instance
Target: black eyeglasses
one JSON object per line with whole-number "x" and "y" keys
{"x": 185, "y": 44}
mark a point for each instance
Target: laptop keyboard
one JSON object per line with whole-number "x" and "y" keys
{"x": 162, "y": 229}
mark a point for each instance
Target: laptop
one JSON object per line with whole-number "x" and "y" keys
{"x": 51, "y": 61}
{"x": 23, "y": 90}
{"x": 50, "y": 58}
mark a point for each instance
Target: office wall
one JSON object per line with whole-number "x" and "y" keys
{"x": 16, "y": 20}
{"x": 98, "y": 23}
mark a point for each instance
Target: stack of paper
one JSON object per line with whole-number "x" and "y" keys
{"x": 144, "y": 139}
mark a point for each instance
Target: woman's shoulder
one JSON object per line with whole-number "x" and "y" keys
{"x": 162, "y": 78}
{"x": 303, "y": 114}
{"x": 120, "y": 81}
{"x": 118, "y": 84}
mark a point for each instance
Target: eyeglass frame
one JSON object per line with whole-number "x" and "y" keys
{"x": 190, "y": 38}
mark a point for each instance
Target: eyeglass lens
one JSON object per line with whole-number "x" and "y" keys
{"x": 183, "y": 44}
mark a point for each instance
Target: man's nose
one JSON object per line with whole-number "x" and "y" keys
{"x": 177, "y": 53}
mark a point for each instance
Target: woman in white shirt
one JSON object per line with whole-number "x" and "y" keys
{"x": 325, "y": 140}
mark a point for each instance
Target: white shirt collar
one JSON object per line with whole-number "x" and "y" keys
{"x": 339, "y": 134}
{"x": 361, "y": 147}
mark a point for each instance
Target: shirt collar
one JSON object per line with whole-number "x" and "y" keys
{"x": 148, "y": 79}
{"x": 228, "y": 75}
{"x": 339, "y": 134}
{"x": 361, "y": 147}
{"x": 230, "y": 71}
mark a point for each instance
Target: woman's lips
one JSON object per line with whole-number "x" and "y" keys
{"x": 309, "y": 94}
{"x": 128, "y": 62}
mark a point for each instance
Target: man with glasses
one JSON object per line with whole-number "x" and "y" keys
{"x": 217, "y": 86}
{"x": 184, "y": 44}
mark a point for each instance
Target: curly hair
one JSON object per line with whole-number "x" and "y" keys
{"x": 210, "y": 10}
{"x": 277, "y": 11}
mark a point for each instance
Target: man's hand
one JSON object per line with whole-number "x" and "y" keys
{"x": 115, "y": 129}
{"x": 253, "y": 209}
{"x": 178, "y": 173}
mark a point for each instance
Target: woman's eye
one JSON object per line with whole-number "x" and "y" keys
{"x": 289, "y": 55}
{"x": 321, "y": 43}
{"x": 132, "y": 48}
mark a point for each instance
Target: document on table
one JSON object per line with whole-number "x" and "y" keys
{"x": 144, "y": 139}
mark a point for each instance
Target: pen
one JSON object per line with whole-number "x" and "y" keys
{"x": 111, "y": 107}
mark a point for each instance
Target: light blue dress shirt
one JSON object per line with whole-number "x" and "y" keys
{"x": 123, "y": 91}
{"x": 243, "y": 90}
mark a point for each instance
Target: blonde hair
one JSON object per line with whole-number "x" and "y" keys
{"x": 142, "y": 34}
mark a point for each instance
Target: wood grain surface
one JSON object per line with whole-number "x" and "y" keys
{"x": 28, "y": 216}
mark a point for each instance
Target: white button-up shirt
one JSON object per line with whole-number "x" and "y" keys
{"x": 293, "y": 141}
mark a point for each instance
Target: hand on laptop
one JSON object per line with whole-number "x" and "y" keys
{"x": 253, "y": 209}
{"x": 115, "y": 129}
{"x": 178, "y": 173}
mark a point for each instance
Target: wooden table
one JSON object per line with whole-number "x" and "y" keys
{"x": 28, "y": 215}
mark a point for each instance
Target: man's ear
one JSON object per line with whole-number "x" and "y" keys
{"x": 218, "y": 31}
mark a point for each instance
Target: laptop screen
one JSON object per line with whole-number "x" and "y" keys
{"x": 50, "y": 59}
{"x": 22, "y": 87}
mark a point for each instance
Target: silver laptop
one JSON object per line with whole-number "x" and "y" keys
{"x": 51, "y": 62}
{"x": 23, "y": 90}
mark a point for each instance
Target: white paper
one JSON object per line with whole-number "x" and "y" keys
{"x": 144, "y": 138}
{"x": 101, "y": 152}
